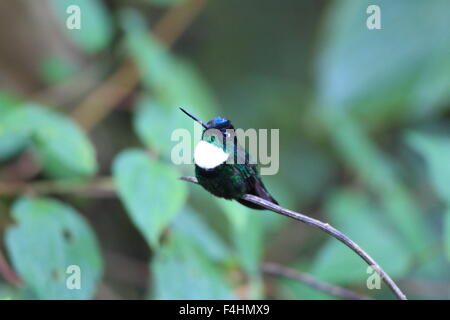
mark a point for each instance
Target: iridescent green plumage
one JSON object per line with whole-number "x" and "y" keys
{"x": 231, "y": 179}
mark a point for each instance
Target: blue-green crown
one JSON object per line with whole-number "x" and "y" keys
{"x": 219, "y": 123}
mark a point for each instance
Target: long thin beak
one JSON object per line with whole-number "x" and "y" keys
{"x": 195, "y": 118}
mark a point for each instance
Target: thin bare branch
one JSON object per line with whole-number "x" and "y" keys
{"x": 100, "y": 187}
{"x": 326, "y": 228}
{"x": 279, "y": 270}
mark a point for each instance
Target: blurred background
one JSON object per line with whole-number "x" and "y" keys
{"x": 86, "y": 117}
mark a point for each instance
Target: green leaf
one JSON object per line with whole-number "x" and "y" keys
{"x": 307, "y": 163}
{"x": 48, "y": 237}
{"x": 186, "y": 87}
{"x": 399, "y": 71}
{"x": 189, "y": 224}
{"x": 64, "y": 150}
{"x": 173, "y": 81}
{"x": 150, "y": 191}
{"x": 7, "y": 102}
{"x": 447, "y": 232}
{"x": 352, "y": 213}
{"x": 247, "y": 232}
{"x": 436, "y": 152}
{"x": 8, "y": 292}
{"x": 432, "y": 267}
{"x": 56, "y": 69}
{"x": 10, "y": 143}
{"x": 155, "y": 123}
{"x": 181, "y": 271}
{"x": 146, "y": 50}
{"x": 96, "y": 29}
{"x": 376, "y": 170}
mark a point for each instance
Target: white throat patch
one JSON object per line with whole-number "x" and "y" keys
{"x": 208, "y": 156}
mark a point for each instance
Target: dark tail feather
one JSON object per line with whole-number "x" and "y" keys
{"x": 260, "y": 191}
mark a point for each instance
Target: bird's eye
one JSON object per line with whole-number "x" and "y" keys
{"x": 212, "y": 139}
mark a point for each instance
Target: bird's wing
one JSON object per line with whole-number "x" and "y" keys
{"x": 249, "y": 171}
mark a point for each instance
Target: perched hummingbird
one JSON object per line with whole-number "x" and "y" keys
{"x": 222, "y": 179}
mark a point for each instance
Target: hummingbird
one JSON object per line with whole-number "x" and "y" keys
{"x": 221, "y": 177}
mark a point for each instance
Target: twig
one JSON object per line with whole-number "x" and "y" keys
{"x": 69, "y": 90}
{"x": 101, "y": 187}
{"x": 8, "y": 273}
{"x": 279, "y": 270}
{"x": 102, "y": 100}
{"x": 326, "y": 228}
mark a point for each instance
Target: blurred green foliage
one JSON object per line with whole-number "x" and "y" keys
{"x": 96, "y": 24}
{"x": 147, "y": 185}
{"x": 48, "y": 238}
{"x": 365, "y": 145}
{"x": 58, "y": 142}
{"x": 182, "y": 271}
